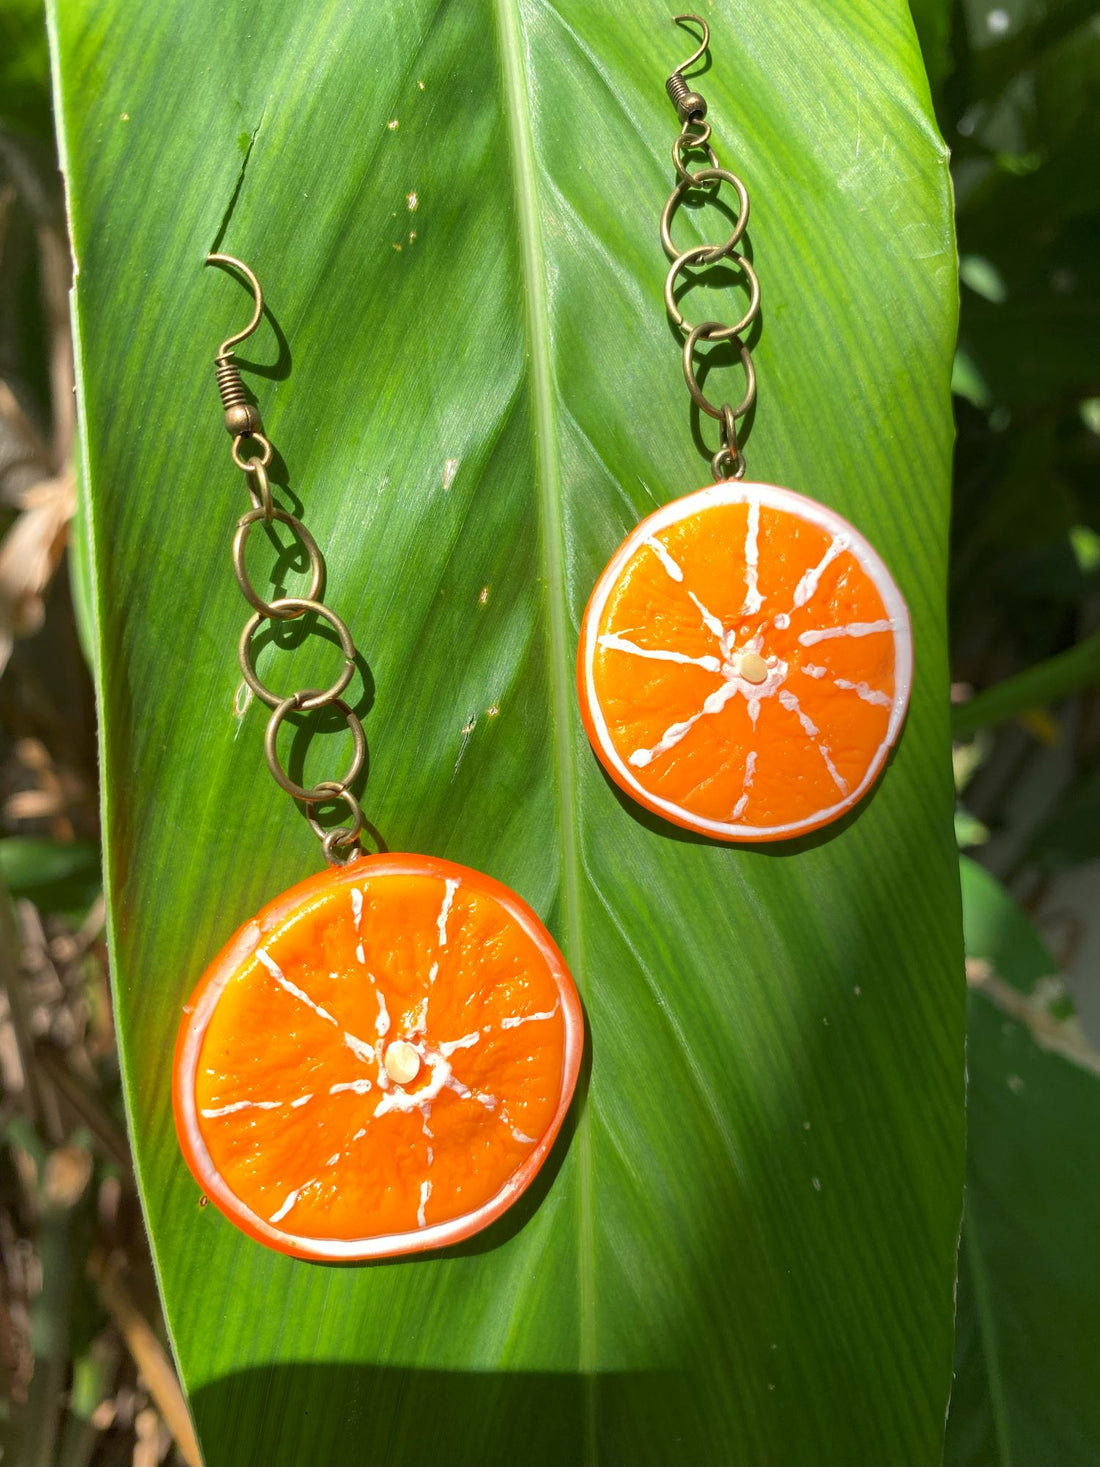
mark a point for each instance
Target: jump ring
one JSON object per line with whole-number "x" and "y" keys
{"x": 240, "y": 568}
{"x": 265, "y": 451}
{"x": 338, "y": 839}
{"x": 705, "y": 331}
{"x": 704, "y": 254}
{"x": 335, "y": 792}
{"x": 684, "y": 144}
{"x": 321, "y": 792}
{"x": 259, "y": 487}
{"x": 735, "y": 460}
{"x": 692, "y": 180}
{"x": 280, "y": 608}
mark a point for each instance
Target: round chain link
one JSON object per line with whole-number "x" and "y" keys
{"x": 240, "y": 567}
{"x": 701, "y": 254}
{"x": 284, "y": 608}
{"x": 316, "y": 794}
{"x": 728, "y": 461}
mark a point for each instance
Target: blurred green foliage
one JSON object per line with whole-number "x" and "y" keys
{"x": 1017, "y": 105}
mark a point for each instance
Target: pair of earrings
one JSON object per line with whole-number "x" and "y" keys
{"x": 380, "y": 1060}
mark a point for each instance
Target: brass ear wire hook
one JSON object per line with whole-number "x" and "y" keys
{"x": 242, "y": 418}
{"x": 257, "y": 293}
{"x": 690, "y": 106}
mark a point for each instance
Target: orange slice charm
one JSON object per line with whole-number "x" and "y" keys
{"x": 745, "y": 663}
{"x": 378, "y": 1062}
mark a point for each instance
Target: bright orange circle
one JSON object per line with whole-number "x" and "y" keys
{"x": 745, "y": 663}
{"x": 287, "y": 1111}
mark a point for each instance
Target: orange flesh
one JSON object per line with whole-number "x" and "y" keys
{"x": 290, "y": 1080}
{"x": 821, "y": 722}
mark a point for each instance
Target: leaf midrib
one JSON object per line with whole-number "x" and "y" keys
{"x": 517, "y": 106}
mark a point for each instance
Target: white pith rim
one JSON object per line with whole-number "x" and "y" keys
{"x": 770, "y": 496}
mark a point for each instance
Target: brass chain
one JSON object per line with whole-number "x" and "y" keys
{"x": 729, "y": 461}
{"x": 242, "y": 419}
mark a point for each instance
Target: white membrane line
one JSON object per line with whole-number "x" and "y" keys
{"x": 302, "y": 1099}
{"x": 746, "y": 785}
{"x": 448, "y": 1046}
{"x": 753, "y": 599}
{"x": 809, "y": 728}
{"x": 710, "y": 621}
{"x": 357, "y": 907}
{"x": 425, "y": 1193}
{"x": 853, "y": 629}
{"x": 809, "y": 583}
{"x": 359, "y": 1134}
{"x": 229, "y": 1110}
{"x": 616, "y": 643}
{"x": 360, "y": 954}
{"x": 292, "y": 988}
{"x": 334, "y": 1158}
{"x": 445, "y": 910}
{"x": 418, "y": 1018}
{"x": 677, "y": 731}
{"x": 382, "y": 1023}
{"x": 359, "y": 1048}
{"x": 431, "y": 1155}
{"x": 865, "y": 691}
{"x": 490, "y": 1102}
{"x": 357, "y": 1087}
{"x": 291, "y": 1199}
{"x": 433, "y": 974}
{"x": 660, "y": 551}
{"x": 781, "y": 621}
{"x": 514, "y": 1021}
{"x": 813, "y": 671}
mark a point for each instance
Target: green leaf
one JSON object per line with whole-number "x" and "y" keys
{"x": 1035, "y": 687}
{"x": 24, "y": 69}
{"x": 1029, "y": 1280}
{"x": 744, "y": 1248}
{"x": 58, "y": 876}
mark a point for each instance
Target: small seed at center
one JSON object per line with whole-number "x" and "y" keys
{"x": 752, "y": 667}
{"x": 402, "y": 1062}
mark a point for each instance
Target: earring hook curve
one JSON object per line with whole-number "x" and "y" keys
{"x": 257, "y": 294}
{"x": 695, "y": 55}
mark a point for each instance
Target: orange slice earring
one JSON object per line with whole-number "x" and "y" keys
{"x": 745, "y": 659}
{"x": 379, "y": 1061}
